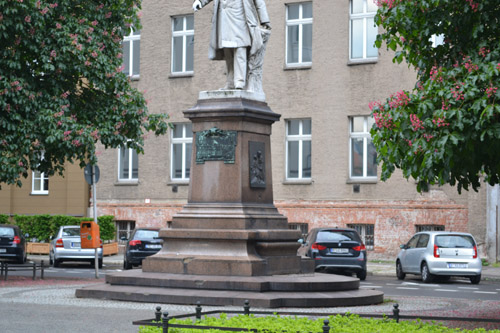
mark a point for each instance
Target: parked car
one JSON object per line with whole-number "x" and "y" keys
{"x": 66, "y": 246}
{"x": 12, "y": 243}
{"x": 143, "y": 243}
{"x": 440, "y": 254}
{"x": 336, "y": 249}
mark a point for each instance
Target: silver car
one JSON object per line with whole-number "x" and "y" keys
{"x": 66, "y": 246}
{"x": 440, "y": 254}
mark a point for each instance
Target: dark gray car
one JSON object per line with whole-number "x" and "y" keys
{"x": 337, "y": 250}
{"x": 12, "y": 243}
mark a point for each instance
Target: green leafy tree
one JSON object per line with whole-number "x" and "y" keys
{"x": 62, "y": 88}
{"x": 447, "y": 129}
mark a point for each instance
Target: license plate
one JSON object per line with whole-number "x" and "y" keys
{"x": 339, "y": 250}
{"x": 153, "y": 246}
{"x": 3, "y": 250}
{"x": 76, "y": 245}
{"x": 457, "y": 265}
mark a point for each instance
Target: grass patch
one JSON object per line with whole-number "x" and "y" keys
{"x": 277, "y": 324}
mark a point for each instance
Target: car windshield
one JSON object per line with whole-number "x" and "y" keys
{"x": 336, "y": 236}
{"x": 454, "y": 241}
{"x": 6, "y": 232}
{"x": 142, "y": 234}
{"x": 71, "y": 232}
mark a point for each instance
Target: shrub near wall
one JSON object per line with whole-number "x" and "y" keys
{"x": 4, "y": 219}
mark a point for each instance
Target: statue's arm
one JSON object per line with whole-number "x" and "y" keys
{"x": 260, "y": 5}
{"x": 199, "y": 4}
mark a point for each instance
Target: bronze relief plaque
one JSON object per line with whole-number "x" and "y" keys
{"x": 256, "y": 151}
{"x": 215, "y": 145}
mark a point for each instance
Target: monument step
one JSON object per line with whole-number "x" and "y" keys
{"x": 272, "y": 299}
{"x": 316, "y": 282}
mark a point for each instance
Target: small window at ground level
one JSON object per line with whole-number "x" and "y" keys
{"x": 367, "y": 233}
{"x": 429, "y": 227}
{"x": 124, "y": 229}
{"x": 303, "y": 227}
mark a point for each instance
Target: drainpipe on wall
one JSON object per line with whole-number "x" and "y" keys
{"x": 492, "y": 222}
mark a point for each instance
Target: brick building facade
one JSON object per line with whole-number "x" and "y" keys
{"x": 320, "y": 73}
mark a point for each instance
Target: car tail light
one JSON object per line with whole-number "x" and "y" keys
{"x": 17, "y": 240}
{"x": 59, "y": 243}
{"x": 474, "y": 252}
{"x": 361, "y": 247}
{"x": 134, "y": 242}
{"x": 101, "y": 243}
{"x": 316, "y": 246}
{"x": 436, "y": 251}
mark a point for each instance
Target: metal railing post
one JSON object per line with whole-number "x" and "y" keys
{"x": 198, "y": 310}
{"x": 395, "y": 312}
{"x": 326, "y": 326}
{"x": 158, "y": 314}
{"x": 165, "y": 322}
{"x": 6, "y": 271}
{"x": 246, "y": 307}
{"x": 42, "y": 270}
{"x": 34, "y": 271}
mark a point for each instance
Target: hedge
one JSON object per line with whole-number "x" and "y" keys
{"x": 4, "y": 219}
{"x": 43, "y": 227}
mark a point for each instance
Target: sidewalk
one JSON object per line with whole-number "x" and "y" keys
{"x": 376, "y": 267}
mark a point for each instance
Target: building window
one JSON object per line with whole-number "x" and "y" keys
{"x": 363, "y": 157}
{"x": 298, "y": 149}
{"x": 131, "y": 53}
{"x": 182, "y": 44}
{"x": 429, "y": 227}
{"x": 40, "y": 183}
{"x": 182, "y": 141}
{"x": 367, "y": 233}
{"x": 303, "y": 227}
{"x": 363, "y": 31}
{"x": 124, "y": 230}
{"x": 128, "y": 164}
{"x": 299, "y": 34}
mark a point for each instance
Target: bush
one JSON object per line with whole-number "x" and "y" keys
{"x": 43, "y": 227}
{"x": 4, "y": 219}
{"x": 278, "y": 324}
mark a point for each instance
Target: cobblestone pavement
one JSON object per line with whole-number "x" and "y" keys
{"x": 51, "y": 305}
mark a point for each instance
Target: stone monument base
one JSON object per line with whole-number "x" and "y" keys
{"x": 302, "y": 290}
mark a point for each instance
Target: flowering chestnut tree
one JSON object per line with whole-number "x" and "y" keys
{"x": 62, "y": 89}
{"x": 447, "y": 129}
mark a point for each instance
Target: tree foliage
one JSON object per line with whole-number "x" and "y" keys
{"x": 447, "y": 129}
{"x": 62, "y": 88}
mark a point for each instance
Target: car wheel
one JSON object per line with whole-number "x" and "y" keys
{"x": 21, "y": 260}
{"x": 361, "y": 275}
{"x": 127, "y": 265}
{"x": 475, "y": 279}
{"x": 56, "y": 262}
{"x": 399, "y": 271}
{"x": 426, "y": 275}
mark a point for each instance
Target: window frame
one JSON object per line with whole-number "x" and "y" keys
{"x": 184, "y": 140}
{"x": 358, "y": 16}
{"x": 300, "y": 22}
{"x": 129, "y": 179}
{"x": 184, "y": 34}
{"x": 43, "y": 178}
{"x": 300, "y": 138}
{"x": 132, "y": 39}
{"x": 362, "y": 228}
{"x": 365, "y": 135}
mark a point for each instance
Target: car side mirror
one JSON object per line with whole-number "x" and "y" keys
{"x": 123, "y": 238}
{"x": 403, "y": 247}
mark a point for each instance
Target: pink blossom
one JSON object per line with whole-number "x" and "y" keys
{"x": 101, "y": 6}
{"x": 27, "y": 19}
{"x": 119, "y": 55}
{"x": 94, "y": 54}
{"x": 108, "y": 14}
{"x": 79, "y": 47}
{"x": 87, "y": 63}
{"x": 81, "y": 21}
{"x": 66, "y": 133}
{"x": 44, "y": 11}
{"x": 53, "y": 53}
{"x": 20, "y": 163}
{"x": 416, "y": 123}
{"x": 65, "y": 94}
{"x": 94, "y": 23}
{"x": 58, "y": 25}
{"x": 53, "y": 5}
{"x": 491, "y": 91}
{"x": 1, "y": 16}
{"x": 498, "y": 66}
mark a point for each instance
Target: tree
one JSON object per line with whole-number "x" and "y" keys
{"x": 447, "y": 129}
{"x": 62, "y": 88}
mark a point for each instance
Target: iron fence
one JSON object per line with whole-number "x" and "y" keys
{"x": 5, "y": 267}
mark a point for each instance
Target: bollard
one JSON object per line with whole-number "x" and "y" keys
{"x": 34, "y": 271}
{"x": 158, "y": 314}
{"x": 395, "y": 312}
{"x": 246, "y": 307}
{"x": 326, "y": 326}
{"x": 165, "y": 322}
{"x": 198, "y": 310}
{"x": 6, "y": 271}
{"x": 42, "y": 270}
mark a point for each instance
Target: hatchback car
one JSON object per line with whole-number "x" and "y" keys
{"x": 12, "y": 243}
{"x": 337, "y": 250}
{"x": 440, "y": 254}
{"x": 143, "y": 243}
{"x": 66, "y": 246}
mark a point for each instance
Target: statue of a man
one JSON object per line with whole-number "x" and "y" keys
{"x": 237, "y": 37}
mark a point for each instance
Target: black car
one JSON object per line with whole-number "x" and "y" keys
{"x": 12, "y": 243}
{"x": 337, "y": 250}
{"x": 142, "y": 243}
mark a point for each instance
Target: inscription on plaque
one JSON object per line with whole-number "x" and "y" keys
{"x": 256, "y": 151}
{"x": 215, "y": 145}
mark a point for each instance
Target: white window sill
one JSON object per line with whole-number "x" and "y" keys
{"x": 134, "y": 77}
{"x": 123, "y": 182}
{"x": 362, "y": 181}
{"x": 291, "y": 67}
{"x": 298, "y": 181}
{"x": 40, "y": 193}
{"x": 180, "y": 75}
{"x": 354, "y": 62}
{"x": 178, "y": 182}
